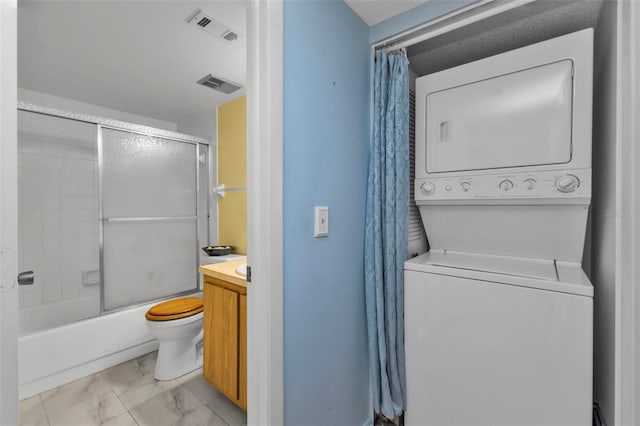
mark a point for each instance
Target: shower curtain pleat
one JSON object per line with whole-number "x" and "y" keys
{"x": 386, "y": 232}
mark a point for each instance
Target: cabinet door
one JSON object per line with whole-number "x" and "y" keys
{"x": 221, "y": 342}
{"x": 242, "y": 376}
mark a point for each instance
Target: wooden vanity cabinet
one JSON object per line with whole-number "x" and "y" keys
{"x": 225, "y": 338}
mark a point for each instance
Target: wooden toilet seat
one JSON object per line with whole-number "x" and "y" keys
{"x": 175, "y": 309}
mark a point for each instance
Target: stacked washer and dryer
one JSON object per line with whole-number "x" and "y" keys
{"x": 499, "y": 313}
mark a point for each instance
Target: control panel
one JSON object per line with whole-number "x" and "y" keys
{"x": 555, "y": 184}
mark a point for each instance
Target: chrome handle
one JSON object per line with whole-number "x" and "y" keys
{"x": 26, "y": 278}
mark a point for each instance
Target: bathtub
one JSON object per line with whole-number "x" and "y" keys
{"x": 53, "y": 357}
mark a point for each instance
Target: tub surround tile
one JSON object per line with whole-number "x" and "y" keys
{"x": 32, "y": 412}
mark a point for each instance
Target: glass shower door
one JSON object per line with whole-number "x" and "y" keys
{"x": 58, "y": 220}
{"x": 150, "y": 226}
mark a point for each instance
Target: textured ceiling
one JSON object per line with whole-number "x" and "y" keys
{"x": 376, "y": 11}
{"x": 135, "y": 56}
{"x": 532, "y": 23}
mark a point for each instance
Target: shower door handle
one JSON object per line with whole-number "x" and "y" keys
{"x": 26, "y": 278}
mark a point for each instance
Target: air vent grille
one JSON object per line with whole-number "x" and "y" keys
{"x": 219, "y": 84}
{"x": 204, "y": 22}
{"x": 230, "y": 36}
{"x": 212, "y": 26}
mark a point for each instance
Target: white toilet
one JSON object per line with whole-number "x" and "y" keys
{"x": 177, "y": 324}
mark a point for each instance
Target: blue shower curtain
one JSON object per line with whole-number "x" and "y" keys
{"x": 386, "y": 232}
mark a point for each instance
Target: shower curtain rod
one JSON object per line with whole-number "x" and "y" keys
{"x": 457, "y": 18}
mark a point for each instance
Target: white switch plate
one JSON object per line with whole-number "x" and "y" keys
{"x": 321, "y": 228}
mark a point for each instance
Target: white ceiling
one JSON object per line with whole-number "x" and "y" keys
{"x": 375, "y": 11}
{"x": 139, "y": 57}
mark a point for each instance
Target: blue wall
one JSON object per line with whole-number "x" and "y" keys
{"x": 327, "y": 64}
{"x": 326, "y": 134}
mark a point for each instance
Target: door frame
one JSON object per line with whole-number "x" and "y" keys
{"x": 265, "y": 358}
{"x": 627, "y": 269}
{"x": 8, "y": 214}
{"x": 627, "y": 232}
{"x": 264, "y": 194}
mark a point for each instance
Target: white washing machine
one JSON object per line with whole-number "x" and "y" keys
{"x": 497, "y": 342}
{"x": 499, "y": 314}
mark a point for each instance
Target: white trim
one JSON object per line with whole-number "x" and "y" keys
{"x": 8, "y": 214}
{"x": 458, "y": 18}
{"x": 627, "y": 298}
{"x": 111, "y": 123}
{"x": 264, "y": 207}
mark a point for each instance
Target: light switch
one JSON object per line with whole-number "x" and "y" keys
{"x": 321, "y": 222}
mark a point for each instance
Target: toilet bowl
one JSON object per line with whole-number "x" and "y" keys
{"x": 177, "y": 324}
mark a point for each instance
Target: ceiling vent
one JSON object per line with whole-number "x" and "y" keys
{"x": 219, "y": 84}
{"x": 216, "y": 28}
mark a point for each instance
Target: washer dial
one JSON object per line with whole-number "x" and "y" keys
{"x": 427, "y": 188}
{"x": 530, "y": 183}
{"x": 506, "y": 185}
{"x": 567, "y": 183}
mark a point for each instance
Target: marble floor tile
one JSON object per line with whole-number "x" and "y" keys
{"x": 177, "y": 406}
{"x": 90, "y": 409}
{"x": 124, "y": 419}
{"x": 195, "y": 373}
{"x": 227, "y": 410}
{"x": 198, "y": 386}
{"x": 220, "y": 404}
{"x": 134, "y": 383}
{"x": 93, "y": 384}
{"x": 32, "y": 412}
{"x": 86, "y": 401}
{"x": 143, "y": 389}
{"x": 122, "y": 376}
{"x": 128, "y": 395}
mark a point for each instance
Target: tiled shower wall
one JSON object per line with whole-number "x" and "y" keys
{"x": 58, "y": 220}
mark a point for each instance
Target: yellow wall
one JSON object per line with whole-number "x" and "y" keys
{"x": 232, "y": 172}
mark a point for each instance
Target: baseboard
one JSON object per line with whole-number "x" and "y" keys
{"x": 46, "y": 383}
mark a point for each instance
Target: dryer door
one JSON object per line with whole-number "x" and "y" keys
{"x": 512, "y": 120}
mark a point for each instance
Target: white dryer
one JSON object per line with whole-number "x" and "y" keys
{"x": 499, "y": 314}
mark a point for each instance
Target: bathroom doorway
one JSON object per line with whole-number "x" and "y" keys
{"x": 93, "y": 94}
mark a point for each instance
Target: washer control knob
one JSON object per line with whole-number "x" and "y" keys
{"x": 506, "y": 185}
{"x": 567, "y": 183}
{"x": 530, "y": 184}
{"x": 465, "y": 186}
{"x": 428, "y": 188}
